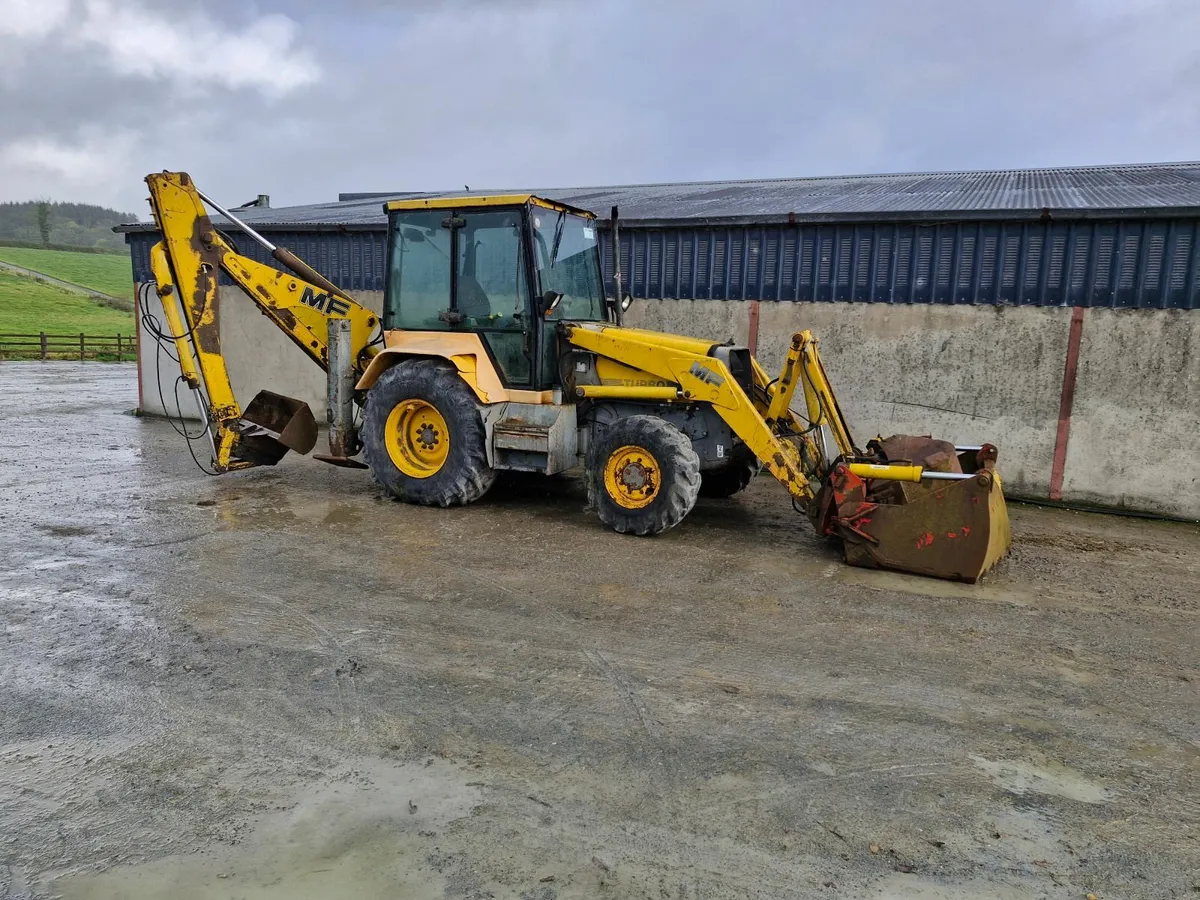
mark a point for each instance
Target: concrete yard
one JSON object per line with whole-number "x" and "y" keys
{"x": 279, "y": 684}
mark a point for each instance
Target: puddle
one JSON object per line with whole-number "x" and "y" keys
{"x": 1021, "y": 777}
{"x": 65, "y": 530}
{"x": 275, "y": 510}
{"x": 369, "y": 831}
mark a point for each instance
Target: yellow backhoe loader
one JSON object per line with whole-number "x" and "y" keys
{"x": 498, "y": 349}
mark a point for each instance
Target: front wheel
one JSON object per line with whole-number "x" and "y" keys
{"x": 423, "y": 436}
{"x": 643, "y": 475}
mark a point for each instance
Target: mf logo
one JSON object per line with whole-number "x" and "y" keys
{"x": 322, "y": 302}
{"x": 705, "y": 374}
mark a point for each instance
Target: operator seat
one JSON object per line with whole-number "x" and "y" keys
{"x": 473, "y": 301}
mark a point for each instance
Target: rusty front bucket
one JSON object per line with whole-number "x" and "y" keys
{"x": 956, "y": 529}
{"x": 271, "y": 425}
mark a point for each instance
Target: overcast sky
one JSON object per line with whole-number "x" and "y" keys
{"x": 304, "y": 99}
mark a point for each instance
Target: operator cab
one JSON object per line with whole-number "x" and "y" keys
{"x": 508, "y": 268}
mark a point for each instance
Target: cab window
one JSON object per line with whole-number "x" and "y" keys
{"x": 490, "y": 266}
{"x": 568, "y": 262}
{"x": 419, "y": 279}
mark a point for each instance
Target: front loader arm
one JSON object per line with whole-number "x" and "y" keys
{"x": 186, "y": 265}
{"x": 762, "y": 417}
{"x": 802, "y": 366}
{"x": 702, "y": 378}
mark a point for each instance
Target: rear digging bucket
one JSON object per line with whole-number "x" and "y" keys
{"x": 272, "y": 424}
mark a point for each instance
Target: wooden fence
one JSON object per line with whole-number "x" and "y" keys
{"x": 117, "y": 347}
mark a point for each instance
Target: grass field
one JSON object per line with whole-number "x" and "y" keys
{"x": 29, "y": 307}
{"x": 108, "y": 273}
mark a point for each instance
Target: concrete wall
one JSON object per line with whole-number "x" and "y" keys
{"x": 1135, "y": 430}
{"x": 968, "y": 374}
{"x": 259, "y": 356}
{"x": 721, "y": 320}
{"x": 974, "y": 374}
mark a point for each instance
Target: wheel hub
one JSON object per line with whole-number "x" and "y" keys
{"x": 635, "y": 476}
{"x": 427, "y": 436}
{"x": 417, "y": 439}
{"x": 632, "y": 477}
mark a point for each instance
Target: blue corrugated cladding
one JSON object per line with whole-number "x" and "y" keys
{"x": 1147, "y": 263}
{"x": 354, "y": 261}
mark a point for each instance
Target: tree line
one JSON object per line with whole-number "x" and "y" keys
{"x": 45, "y": 223}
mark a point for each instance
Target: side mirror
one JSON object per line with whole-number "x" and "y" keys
{"x": 550, "y": 301}
{"x": 626, "y": 301}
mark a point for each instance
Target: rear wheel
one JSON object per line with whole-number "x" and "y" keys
{"x": 423, "y": 436}
{"x": 643, "y": 475}
{"x": 732, "y": 478}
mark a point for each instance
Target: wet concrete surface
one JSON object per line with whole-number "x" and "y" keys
{"x": 278, "y": 684}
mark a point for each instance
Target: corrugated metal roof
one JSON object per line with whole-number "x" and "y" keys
{"x": 1018, "y": 193}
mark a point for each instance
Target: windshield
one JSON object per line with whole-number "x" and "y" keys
{"x": 567, "y": 262}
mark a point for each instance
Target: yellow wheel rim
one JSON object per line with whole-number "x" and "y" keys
{"x": 632, "y": 477}
{"x": 417, "y": 439}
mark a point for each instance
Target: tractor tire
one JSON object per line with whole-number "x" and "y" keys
{"x": 423, "y": 435}
{"x": 643, "y": 475}
{"x": 732, "y": 478}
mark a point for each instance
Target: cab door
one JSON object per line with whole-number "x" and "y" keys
{"x": 491, "y": 288}
{"x": 566, "y": 262}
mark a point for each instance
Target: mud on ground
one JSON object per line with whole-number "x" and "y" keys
{"x": 279, "y": 684}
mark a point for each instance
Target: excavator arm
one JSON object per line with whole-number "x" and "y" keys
{"x": 313, "y": 312}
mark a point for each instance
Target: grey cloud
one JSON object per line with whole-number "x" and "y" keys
{"x": 422, "y": 95}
